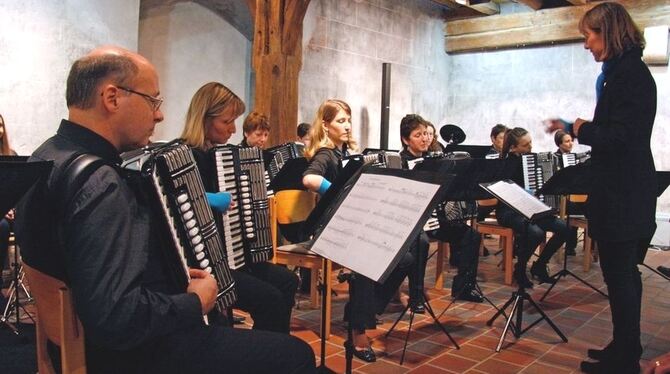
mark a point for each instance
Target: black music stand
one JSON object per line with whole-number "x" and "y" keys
{"x": 330, "y": 243}
{"x": 532, "y": 209}
{"x": 18, "y": 177}
{"x": 568, "y": 181}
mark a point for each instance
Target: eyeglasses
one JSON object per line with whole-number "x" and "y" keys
{"x": 154, "y": 101}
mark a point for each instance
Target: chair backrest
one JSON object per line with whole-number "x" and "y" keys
{"x": 578, "y": 198}
{"x": 488, "y": 202}
{"x": 294, "y": 205}
{"x": 57, "y": 322}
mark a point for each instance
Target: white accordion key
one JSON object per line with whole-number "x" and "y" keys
{"x": 193, "y": 232}
{"x": 182, "y": 198}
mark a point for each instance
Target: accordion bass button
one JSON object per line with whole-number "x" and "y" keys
{"x": 204, "y": 263}
{"x": 185, "y": 207}
{"x": 193, "y": 232}
{"x": 199, "y": 256}
{"x": 198, "y": 248}
{"x": 196, "y": 240}
{"x": 247, "y": 208}
{"x": 182, "y": 198}
{"x": 190, "y": 223}
{"x": 208, "y": 269}
{"x": 248, "y": 224}
{"x": 188, "y": 215}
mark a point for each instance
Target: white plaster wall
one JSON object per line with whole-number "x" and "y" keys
{"x": 190, "y": 46}
{"x": 39, "y": 41}
{"x": 522, "y": 87}
{"x": 345, "y": 43}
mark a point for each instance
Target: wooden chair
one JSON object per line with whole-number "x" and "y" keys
{"x": 292, "y": 206}
{"x": 442, "y": 252}
{"x": 507, "y": 239}
{"x": 57, "y": 322}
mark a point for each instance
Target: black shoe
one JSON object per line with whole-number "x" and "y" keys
{"x": 664, "y": 270}
{"x": 608, "y": 367}
{"x": 601, "y": 354}
{"x": 379, "y": 321}
{"x": 367, "y": 354}
{"x": 539, "y": 272}
{"x": 570, "y": 252}
{"x": 418, "y": 308}
{"x": 485, "y": 252}
{"x": 521, "y": 278}
{"x": 469, "y": 295}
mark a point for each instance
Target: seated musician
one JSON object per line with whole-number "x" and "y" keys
{"x": 564, "y": 143}
{"x": 517, "y": 143}
{"x": 265, "y": 290}
{"x": 302, "y": 132}
{"x": 255, "y": 130}
{"x": 330, "y": 130}
{"x": 463, "y": 239}
{"x": 103, "y": 242}
{"x": 433, "y": 144}
{"x": 497, "y": 139}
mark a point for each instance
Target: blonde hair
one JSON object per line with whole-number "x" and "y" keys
{"x": 619, "y": 31}
{"x": 209, "y": 101}
{"x": 5, "y": 150}
{"x": 326, "y": 113}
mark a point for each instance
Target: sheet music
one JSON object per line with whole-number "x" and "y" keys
{"x": 519, "y": 198}
{"x": 373, "y": 222}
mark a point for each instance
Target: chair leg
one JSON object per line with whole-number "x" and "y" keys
{"x": 442, "y": 247}
{"x": 44, "y": 365}
{"x": 508, "y": 254}
{"x": 314, "y": 288}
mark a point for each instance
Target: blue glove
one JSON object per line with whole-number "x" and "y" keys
{"x": 325, "y": 185}
{"x": 219, "y": 201}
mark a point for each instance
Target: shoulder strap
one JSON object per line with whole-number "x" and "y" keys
{"x": 75, "y": 174}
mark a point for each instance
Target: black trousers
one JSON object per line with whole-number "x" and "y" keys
{"x": 5, "y": 228}
{"x": 464, "y": 245}
{"x": 267, "y": 292}
{"x": 368, "y": 297}
{"x": 209, "y": 349}
{"x": 618, "y": 261}
{"x": 531, "y": 235}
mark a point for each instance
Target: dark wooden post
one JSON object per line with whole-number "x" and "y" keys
{"x": 277, "y": 59}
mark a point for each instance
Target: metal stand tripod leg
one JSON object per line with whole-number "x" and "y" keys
{"x": 517, "y": 308}
{"x": 469, "y": 286}
{"x": 14, "y": 297}
{"x": 655, "y": 271}
{"x": 430, "y": 311}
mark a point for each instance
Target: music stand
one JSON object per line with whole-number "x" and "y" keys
{"x": 372, "y": 213}
{"x": 18, "y": 177}
{"x": 571, "y": 180}
{"x": 531, "y": 209}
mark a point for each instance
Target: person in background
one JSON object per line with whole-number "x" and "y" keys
{"x": 256, "y": 130}
{"x": 564, "y": 143}
{"x": 102, "y": 242}
{"x": 433, "y": 144}
{"x": 621, "y": 206}
{"x": 303, "y": 134}
{"x": 497, "y": 139}
{"x": 517, "y": 143}
{"x": 265, "y": 290}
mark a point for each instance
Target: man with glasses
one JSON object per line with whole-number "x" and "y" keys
{"x": 103, "y": 245}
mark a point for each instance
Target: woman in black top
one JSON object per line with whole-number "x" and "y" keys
{"x": 622, "y": 203}
{"x": 265, "y": 290}
{"x": 330, "y": 130}
{"x": 529, "y": 235}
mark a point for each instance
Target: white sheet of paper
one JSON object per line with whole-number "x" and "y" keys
{"x": 516, "y": 196}
{"x": 373, "y": 222}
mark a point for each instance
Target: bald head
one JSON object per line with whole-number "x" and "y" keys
{"x": 107, "y": 64}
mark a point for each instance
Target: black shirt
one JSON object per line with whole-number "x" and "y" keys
{"x": 109, "y": 257}
{"x": 405, "y": 156}
{"x": 326, "y": 163}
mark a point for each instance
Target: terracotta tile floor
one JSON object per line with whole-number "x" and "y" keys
{"x": 581, "y": 314}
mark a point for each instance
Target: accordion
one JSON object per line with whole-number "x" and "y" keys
{"x": 539, "y": 167}
{"x": 246, "y": 225}
{"x": 278, "y": 156}
{"x": 168, "y": 177}
{"x": 382, "y": 158}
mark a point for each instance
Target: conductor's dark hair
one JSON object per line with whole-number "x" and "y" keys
{"x": 89, "y": 72}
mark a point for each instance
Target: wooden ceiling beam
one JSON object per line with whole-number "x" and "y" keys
{"x": 547, "y": 26}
